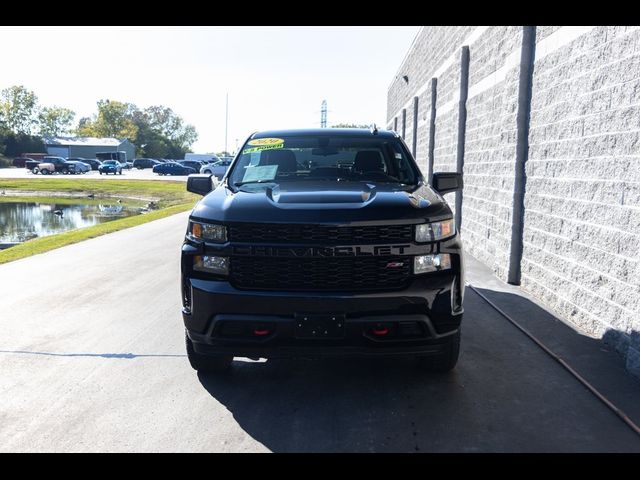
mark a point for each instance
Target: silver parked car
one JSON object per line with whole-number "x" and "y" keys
{"x": 77, "y": 167}
{"x": 218, "y": 169}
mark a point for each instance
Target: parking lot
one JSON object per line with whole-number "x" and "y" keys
{"x": 133, "y": 173}
{"x": 96, "y": 362}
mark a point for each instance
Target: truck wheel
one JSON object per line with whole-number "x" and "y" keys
{"x": 206, "y": 363}
{"x": 35, "y": 170}
{"x": 45, "y": 172}
{"x": 445, "y": 361}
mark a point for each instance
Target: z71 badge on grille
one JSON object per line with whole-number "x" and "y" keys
{"x": 395, "y": 265}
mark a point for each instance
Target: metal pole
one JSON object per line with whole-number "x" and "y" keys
{"x": 462, "y": 125}
{"x": 432, "y": 128}
{"x": 415, "y": 127}
{"x": 404, "y": 123}
{"x": 226, "y": 124}
{"x": 527, "y": 59}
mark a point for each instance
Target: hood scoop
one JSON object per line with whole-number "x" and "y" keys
{"x": 360, "y": 196}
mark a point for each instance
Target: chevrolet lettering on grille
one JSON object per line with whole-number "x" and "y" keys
{"x": 347, "y": 251}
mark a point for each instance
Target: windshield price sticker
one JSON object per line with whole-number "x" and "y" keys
{"x": 257, "y": 174}
{"x": 260, "y": 148}
{"x": 266, "y": 141}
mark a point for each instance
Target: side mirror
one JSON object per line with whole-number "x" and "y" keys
{"x": 199, "y": 183}
{"x": 445, "y": 182}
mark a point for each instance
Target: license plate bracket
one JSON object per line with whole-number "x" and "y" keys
{"x": 319, "y": 326}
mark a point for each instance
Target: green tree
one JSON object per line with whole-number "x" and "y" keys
{"x": 114, "y": 119}
{"x": 162, "y": 133}
{"x": 168, "y": 124}
{"x": 157, "y": 131}
{"x": 18, "y": 109}
{"x": 55, "y": 121}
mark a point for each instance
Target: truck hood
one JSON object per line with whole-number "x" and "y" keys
{"x": 322, "y": 202}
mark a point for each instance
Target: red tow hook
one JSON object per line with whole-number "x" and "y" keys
{"x": 380, "y": 331}
{"x": 261, "y": 332}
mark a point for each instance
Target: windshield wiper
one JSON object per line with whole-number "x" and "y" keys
{"x": 239, "y": 184}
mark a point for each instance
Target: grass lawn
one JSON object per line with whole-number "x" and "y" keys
{"x": 170, "y": 197}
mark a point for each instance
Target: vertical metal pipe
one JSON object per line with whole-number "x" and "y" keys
{"x": 462, "y": 125}
{"x": 415, "y": 127}
{"x": 404, "y": 123}
{"x": 395, "y": 124}
{"x": 432, "y": 128}
{"x": 226, "y": 124}
{"x": 527, "y": 59}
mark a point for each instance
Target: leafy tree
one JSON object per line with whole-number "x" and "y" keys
{"x": 114, "y": 119}
{"x": 55, "y": 121}
{"x": 168, "y": 124}
{"x": 157, "y": 131}
{"x": 18, "y": 109}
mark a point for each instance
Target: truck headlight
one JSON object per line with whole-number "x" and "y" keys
{"x": 431, "y": 263}
{"x": 211, "y": 264}
{"x": 432, "y": 232}
{"x": 208, "y": 232}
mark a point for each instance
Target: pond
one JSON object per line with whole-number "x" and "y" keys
{"x": 24, "y": 220}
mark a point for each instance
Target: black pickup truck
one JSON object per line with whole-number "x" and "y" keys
{"x": 322, "y": 242}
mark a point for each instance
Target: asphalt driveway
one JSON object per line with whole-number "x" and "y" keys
{"x": 92, "y": 359}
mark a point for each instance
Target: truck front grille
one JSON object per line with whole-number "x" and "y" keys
{"x": 321, "y": 273}
{"x": 320, "y": 234}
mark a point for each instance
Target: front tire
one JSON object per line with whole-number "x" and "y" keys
{"x": 206, "y": 363}
{"x": 445, "y": 361}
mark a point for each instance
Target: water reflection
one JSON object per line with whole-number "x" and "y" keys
{"x": 21, "y": 221}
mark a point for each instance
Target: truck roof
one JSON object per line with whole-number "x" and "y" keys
{"x": 328, "y": 132}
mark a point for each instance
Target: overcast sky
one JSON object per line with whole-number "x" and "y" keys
{"x": 276, "y": 77}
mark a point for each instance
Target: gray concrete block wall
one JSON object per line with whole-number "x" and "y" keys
{"x": 582, "y": 209}
{"x": 490, "y": 148}
{"x": 581, "y": 253}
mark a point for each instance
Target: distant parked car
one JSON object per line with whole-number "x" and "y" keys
{"x": 218, "y": 169}
{"x": 195, "y": 164}
{"x": 92, "y": 162}
{"x": 20, "y": 162}
{"x": 110, "y": 166}
{"x": 173, "y": 168}
{"x": 127, "y": 165}
{"x": 51, "y": 165}
{"x": 33, "y": 165}
{"x": 77, "y": 167}
{"x": 142, "y": 163}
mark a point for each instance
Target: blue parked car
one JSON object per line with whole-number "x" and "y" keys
{"x": 110, "y": 166}
{"x": 173, "y": 168}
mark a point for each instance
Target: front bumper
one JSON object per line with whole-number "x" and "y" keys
{"x": 420, "y": 319}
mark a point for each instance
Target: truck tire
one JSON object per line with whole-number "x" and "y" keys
{"x": 35, "y": 170}
{"x": 45, "y": 171}
{"x": 445, "y": 361}
{"x": 206, "y": 363}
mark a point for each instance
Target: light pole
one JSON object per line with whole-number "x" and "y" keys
{"x": 226, "y": 125}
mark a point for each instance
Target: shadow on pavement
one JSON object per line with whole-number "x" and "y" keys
{"x": 505, "y": 395}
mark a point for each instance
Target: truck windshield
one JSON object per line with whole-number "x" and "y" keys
{"x": 339, "y": 158}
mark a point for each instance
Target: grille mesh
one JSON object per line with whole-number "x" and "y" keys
{"x": 320, "y": 273}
